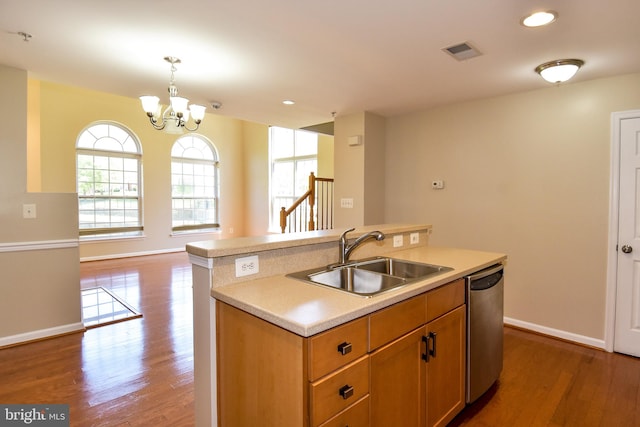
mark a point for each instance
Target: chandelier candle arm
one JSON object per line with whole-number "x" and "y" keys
{"x": 178, "y": 110}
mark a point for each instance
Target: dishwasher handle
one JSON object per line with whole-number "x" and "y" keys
{"x": 486, "y": 278}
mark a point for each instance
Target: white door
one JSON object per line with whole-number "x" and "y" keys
{"x": 627, "y": 313}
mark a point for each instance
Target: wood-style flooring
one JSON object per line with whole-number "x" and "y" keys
{"x": 548, "y": 382}
{"x": 140, "y": 372}
{"x": 133, "y": 373}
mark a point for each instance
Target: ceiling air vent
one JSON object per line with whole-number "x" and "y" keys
{"x": 462, "y": 51}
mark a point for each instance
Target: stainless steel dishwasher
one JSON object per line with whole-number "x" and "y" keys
{"x": 485, "y": 320}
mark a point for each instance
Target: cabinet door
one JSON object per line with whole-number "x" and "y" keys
{"x": 261, "y": 372}
{"x": 398, "y": 382}
{"x": 446, "y": 367}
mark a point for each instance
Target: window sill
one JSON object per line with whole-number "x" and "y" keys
{"x": 110, "y": 238}
{"x": 195, "y": 232}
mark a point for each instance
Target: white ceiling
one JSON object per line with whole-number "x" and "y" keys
{"x": 343, "y": 56}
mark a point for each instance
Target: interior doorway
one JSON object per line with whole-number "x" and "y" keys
{"x": 622, "y": 327}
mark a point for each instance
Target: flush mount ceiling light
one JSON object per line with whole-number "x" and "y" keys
{"x": 560, "y": 70}
{"x": 176, "y": 115}
{"x": 288, "y": 102}
{"x": 539, "y": 19}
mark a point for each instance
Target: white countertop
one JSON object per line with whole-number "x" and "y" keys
{"x": 307, "y": 309}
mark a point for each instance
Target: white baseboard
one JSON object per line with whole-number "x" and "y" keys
{"x": 569, "y": 336}
{"x": 132, "y": 254}
{"x": 41, "y": 334}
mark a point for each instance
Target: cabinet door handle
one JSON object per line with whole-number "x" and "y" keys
{"x": 432, "y": 351}
{"x": 345, "y": 348}
{"x": 346, "y": 391}
{"x": 425, "y": 355}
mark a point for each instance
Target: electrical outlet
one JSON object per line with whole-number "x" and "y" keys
{"x": 29, "y": 211}
{"x": 414, "y": 238}
{"x": 397, "y": 241}
{"x": 247, "y": 266}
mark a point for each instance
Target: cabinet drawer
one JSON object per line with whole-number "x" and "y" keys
{"x": 354, "y": 416}
{"x": 339, "y": 390}
{"x": 392, "y": 322}
{"x": 444, "y": 299}
{"x": 336, "y": 347}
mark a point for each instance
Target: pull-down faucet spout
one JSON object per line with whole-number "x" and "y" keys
{"x": 346, "y": 249}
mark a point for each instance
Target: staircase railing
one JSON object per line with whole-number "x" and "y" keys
{"x": 301, "y": 216}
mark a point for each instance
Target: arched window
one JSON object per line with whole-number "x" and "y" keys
{"x": 108, "y": 181}
{"x": 194, "y": 184}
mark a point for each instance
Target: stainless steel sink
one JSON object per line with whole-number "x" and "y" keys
{"x": 371, "y": 276}
{"x": 357, "y": 281}
{"x": 401, "y": 268}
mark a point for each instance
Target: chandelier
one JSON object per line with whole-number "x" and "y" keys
{"x": 176, "y": 115}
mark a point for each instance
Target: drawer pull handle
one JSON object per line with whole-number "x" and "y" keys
{"x": 345, "y": 348}
{"x": 346, "y": 391}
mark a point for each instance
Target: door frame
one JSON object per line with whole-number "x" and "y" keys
{"x": 614, "y": 206}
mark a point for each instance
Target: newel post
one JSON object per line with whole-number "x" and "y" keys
{"x": 312, "y": 200}
{"x": 283, "y": 219}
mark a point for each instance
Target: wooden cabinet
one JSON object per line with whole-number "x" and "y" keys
{"x": 338, "y": 390}
{"x": 356, "y": 415}
{"x": 445, "y": 367}
{"x": 262, "y": 377}
{"x": 446, "y": 353}
{"x": 336, "y": 347}
{"x": 398, "y": 382}
{"x": 403, "y": 365}
{"x": 419, "y": 379}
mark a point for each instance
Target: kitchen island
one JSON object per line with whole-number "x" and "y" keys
{"x": 300, "y": 310}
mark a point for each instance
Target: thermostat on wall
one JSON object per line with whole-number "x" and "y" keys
{"x": 437, "y": 184}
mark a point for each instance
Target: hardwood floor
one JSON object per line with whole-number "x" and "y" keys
{"x": 547, "y": 382}
{"x": 133, "y": 373}
{"x": 140, "y": 372}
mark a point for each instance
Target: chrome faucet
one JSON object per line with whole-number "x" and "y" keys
{"x": 346, "y": 249}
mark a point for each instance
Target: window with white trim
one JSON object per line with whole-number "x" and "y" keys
{"x": 294, "y": 155}
{"x": 108, "y": 181}
{"x": 194, "y": 184}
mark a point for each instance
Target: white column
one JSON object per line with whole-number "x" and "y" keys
{"x": 204, "y": 343}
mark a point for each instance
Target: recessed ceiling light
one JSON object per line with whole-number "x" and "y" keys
{"x": 288, "y": 102}
{"x": 539, "y": 19}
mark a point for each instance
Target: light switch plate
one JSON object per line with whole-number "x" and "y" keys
{"x": 397, "y": 241}
{"x": 346, "y": 203}
{"x": 247, "y": 266}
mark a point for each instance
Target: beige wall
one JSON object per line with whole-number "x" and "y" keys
{"x": 256, "y": 188}
{"x": 66, "y": 111}
{"x": 374, "y": 175}
{"x": 525, "y": 174}
{"x": 348, "y": 164}
{"x": 359, "y": 169}
{"x": 40, "y": 283}
{"x": 325, "y": 156}
{"x": 242, "y": 148}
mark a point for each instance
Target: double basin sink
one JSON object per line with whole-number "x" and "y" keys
{"x": 370, "y": 276}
